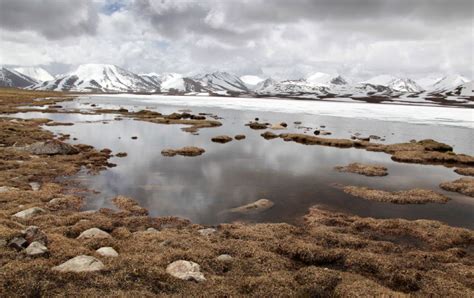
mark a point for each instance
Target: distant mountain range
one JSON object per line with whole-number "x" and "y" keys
{"x": 107, "y": 78}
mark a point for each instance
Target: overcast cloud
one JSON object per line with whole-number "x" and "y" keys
{"x": 278, "y": 38}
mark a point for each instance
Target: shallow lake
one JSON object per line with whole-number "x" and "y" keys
{"x": 293, "y": 176}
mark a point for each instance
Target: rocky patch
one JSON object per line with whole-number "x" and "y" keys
{"x": 185, "y": 151}
{"x": 221, "y": 139}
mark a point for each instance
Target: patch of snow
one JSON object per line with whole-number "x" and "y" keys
{"x": 37, "y": 73}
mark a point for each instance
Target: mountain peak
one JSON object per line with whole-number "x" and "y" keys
{"x": 35, "y": 72}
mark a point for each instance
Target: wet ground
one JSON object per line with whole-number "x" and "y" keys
{"x": 291, "y": 175}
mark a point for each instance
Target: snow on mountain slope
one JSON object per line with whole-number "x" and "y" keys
{"x": 325, "y": 80}
{"x": 220, "y": 81}
{"x": 251, "y": 81}
{"x": 98, "y": 78}
{"x": 12, "y": 78}
{"x": 152, "y": 78}
{"x": 395, "y": 83}
{"x": 289, "y": 87}
{"x": 37, "y": 73}
{"x": 448, "y": 82}
{"x": 172, "y": 81}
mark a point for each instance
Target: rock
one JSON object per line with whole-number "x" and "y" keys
{"x": 363, "y": 169}
{"x": 107, "y": 252}
{"x": 255, "y": 207}
{"x": 185, "y": 151}
{"x": 52, "y": 147}
{"x": 317, "y": 132}
{"x": 134, "y": 137}
{"x": 29, "y": 212}
{"x": 463, "y": 186}
{"x": 36, "y": 249}
{"x": 297, "y": 122}
{"x": 268, "y": 135}
{"x": 152, "y": 230}
{"x": 207, "y": 232}
{"x": 33, "y": 234}
{"x": 80, "y": 263}
{"x": 221, "y": 139}
{"x": 18, "y": 243}
{"x": 94, "y": 233}
{"x": 239, "y": 137}
{"x": 325, "y": 133}
{"x": 185, "y": 270}
{"x": 121, "y": 154}
{"x": 225, "y": 258}
{"x": 284, "y": 124}
{"x": 35, "y": 186}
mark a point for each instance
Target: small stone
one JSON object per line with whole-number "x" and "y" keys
{"x": 207, "y": 232}
{"x": 33, "y": 234}
{"x": 94, "y": 233}
{"x": 185, "y": 270}
{"x": 268, "y": 135}
{"x": 18, "y": 243}
{"x": 36, "y": 249}
{"x": 317, "y": 132}
{"x": 134, "y": 137}
{"x": 35, "y": 186}
{"x": 152, "y": 230}
{"x": 29, "y": 212}
{"x": 80, "y": 263}
{"x": 239, "y": 137}
{"x": 107, "y": 252}
{"x": 225, "y": 258}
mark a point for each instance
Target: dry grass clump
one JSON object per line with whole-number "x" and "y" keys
{"x": 465, "y": 171}
{"x": 313, "y": 140}
{"x": 363, "y": 169}
{"x": 221, "y": 139}
{"x": 412, "y": 196}
{"x": 185, "y": 151}
{"x": 463, "y": 185}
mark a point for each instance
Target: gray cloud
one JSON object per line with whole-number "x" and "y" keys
{"x": 52, "y": 18}
{"x": 279, "y": 38}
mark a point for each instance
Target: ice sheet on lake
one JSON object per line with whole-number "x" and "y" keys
{"x": 450, "y": 116}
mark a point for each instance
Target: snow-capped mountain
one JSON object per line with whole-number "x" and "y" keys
{"x": 395, "y": 83}
{"x": 251, "y": 81}
{"x": 448, "y": 82}
{"x": 12, "y": 78}
{"x": 172, "y": 81}
{"x": 318, "y": 83}
{"x": 220, "y": 81}
{"x": 37, "y": 73}
{"x": 98, "y": 78}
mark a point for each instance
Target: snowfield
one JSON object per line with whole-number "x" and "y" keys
{"x": 447, "y": 116}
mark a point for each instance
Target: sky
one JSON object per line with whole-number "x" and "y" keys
{"x": 282, "y": 39}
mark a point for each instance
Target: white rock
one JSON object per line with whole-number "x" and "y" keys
{"x": 224, "y": 258}
{"x": 94, "y": 233}
{"x": 80, "y": 263}
{"x": 35, "y": 186}
{"x": 107, "y": 252}
{"x": 255, "y": 207}
{"x": 152, "y": 230}
{"x": 29, "y": 212}
{"x": 207, "y": 232}
{"x": 185, "y": 270}
{"x": 36, "y": 249}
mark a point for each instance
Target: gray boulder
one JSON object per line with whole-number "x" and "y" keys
{"x": 80, "y": 263}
